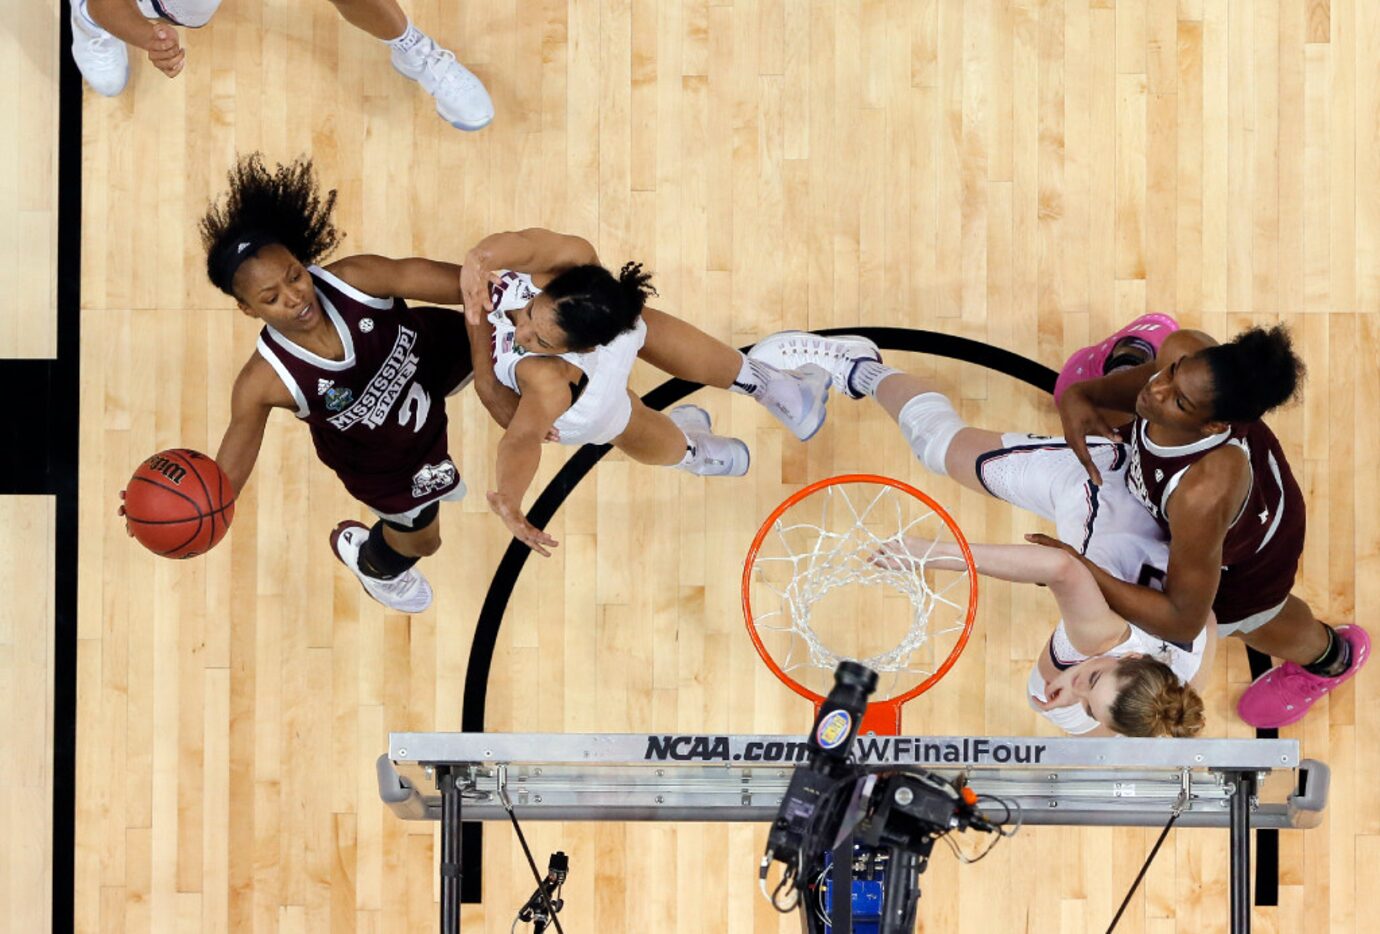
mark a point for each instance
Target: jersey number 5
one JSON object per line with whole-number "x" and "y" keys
{"x": 417, "y": 401}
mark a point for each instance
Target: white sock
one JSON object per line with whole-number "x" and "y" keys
{"x": 84, "y": 20}
{"x": 408, "y": 40}
{"x": 753, "y": 377}
{"x": 867, "y": 375}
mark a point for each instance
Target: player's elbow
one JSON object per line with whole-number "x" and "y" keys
{"x": 1188, "y": 623}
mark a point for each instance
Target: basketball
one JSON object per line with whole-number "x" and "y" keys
{"x": 178, "y": 504}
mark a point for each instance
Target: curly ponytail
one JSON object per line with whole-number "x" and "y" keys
{"x": 592, "y": 307}
{"x": 1255, "y": 372}
{"x": 1154, "y": 702}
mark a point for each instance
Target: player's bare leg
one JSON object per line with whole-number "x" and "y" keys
{"x": 797, "y": 397}
{"x": 897, "y": 394}
{"x": 682, "y": 439}
{"x": 461, "y": 99}
{"x": 1295, "y": 635}
{"x": 382, "y": 19}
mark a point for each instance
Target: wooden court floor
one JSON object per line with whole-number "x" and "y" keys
{"x": 1029, "y": 173}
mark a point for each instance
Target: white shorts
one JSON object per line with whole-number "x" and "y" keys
{"x": 409, "y": 517}
{"x": 1106, "y": 524}
{"x": 597, "y": 423}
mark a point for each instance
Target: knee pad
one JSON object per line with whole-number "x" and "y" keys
{"x": 929, "y": 423}
{"x": 192, "y": 14}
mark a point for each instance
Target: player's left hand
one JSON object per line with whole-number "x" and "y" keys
{"x": 1039, "y": 538}
{"x": 524, "y": 531}
{"x": 1053, "y": 700}
{"x": 475, "y": 279}
{"x": 165, "y": 52}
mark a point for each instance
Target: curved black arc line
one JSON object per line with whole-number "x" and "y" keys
{"x": 574, "y": 470}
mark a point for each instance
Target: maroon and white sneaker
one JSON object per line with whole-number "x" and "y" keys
{"x": 1285, "y": 693}
{"x": 409, "y": 592}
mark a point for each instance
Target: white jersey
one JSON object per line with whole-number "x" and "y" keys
{"x": 1107, "y": 524}
{"x": 1184, "y": 661}
{"x": 602, "y": 410}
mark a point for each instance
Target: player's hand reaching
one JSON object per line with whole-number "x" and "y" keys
{"x": 1049, "y": 541}
{"x": 165, "y": 52}
{"x": 1081, "y": 418}
{"x": 475, "y": 279}
{"x": 913, "y": 552}
{"x": 524, "y": 531}
{"x": 1054, "y": 699}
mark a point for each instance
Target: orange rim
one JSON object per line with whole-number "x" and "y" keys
{"x": 884, "y": 712}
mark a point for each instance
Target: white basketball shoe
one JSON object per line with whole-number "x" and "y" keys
{"x": 461, "y": 99}
{"x": 789, "y": 350}
{"x": 409, "y": 592}
{"x": 102, "y": 59}
{"x": 715, "y": 455}
{"x": 798, "y": 398}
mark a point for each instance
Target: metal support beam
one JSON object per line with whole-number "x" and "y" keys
{"x": 1241, "y": 797}
{"x": 450, "y": 850}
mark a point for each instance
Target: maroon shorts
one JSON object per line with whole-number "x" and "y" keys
{"x": 1265, "y": 579}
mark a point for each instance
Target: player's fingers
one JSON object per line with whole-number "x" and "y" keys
{"x": 1080, "y": 450}
{"x": 1039, "y": 538}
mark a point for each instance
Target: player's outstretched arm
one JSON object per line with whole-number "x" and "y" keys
{"x": 257, "y": 392}
{"x": 540, "y": 253}
{"x": 545, "y": 395}
{"x": 414, "y": 278}
{"x": 1091, "y": 624}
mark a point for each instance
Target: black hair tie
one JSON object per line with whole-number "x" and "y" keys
{"x": 239, "y": 249}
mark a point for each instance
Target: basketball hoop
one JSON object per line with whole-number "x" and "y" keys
{"x": 825, "y": 578}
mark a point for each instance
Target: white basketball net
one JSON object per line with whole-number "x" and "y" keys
{"x": 801, "y": 562}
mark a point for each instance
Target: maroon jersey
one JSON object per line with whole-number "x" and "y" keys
{"x": 378, "y": 417}
{"x": 1261, "y": 551}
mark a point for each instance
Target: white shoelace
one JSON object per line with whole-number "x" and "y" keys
{"x": 439, "y": 64}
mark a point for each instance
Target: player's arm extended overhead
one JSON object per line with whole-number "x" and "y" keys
{"x": 1091, "y": 624}
{"x": 539, "y": 252}
{"x": 414, "y": 278}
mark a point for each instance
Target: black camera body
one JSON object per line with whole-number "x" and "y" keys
{"x": 900, "y": 812}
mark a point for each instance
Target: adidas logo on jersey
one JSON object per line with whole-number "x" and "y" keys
{"x": 322, "y": 385}
{"x": 1159, "y": 475}
{"x": 366, "y": 325}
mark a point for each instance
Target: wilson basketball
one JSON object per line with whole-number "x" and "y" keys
{"x": 178, "y": 504}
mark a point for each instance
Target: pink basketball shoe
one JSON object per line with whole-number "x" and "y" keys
{"x": 1285, "y": 693}
{"x": 1089, "y": 362}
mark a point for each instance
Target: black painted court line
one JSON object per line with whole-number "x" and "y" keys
{"x": 39, "y": 439}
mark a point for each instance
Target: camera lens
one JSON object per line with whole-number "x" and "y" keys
{"x": 855, "y": 675}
